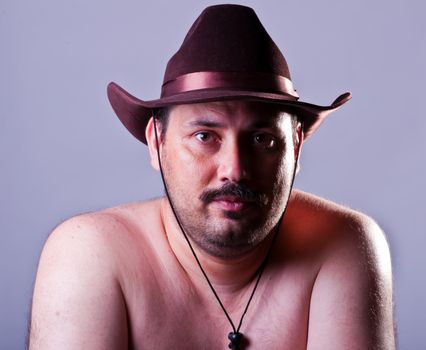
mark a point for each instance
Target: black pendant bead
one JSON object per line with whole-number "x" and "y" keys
{"x": 235, "y": 338}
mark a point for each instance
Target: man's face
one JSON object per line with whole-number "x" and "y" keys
{"x": 228, "y": 168}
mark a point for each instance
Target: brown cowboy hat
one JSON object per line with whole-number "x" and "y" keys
{"x": 226, "y": 55}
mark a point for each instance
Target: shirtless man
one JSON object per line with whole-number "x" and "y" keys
{"x": 228, "y": 146}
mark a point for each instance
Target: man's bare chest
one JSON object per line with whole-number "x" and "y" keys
{"x": 172, "y": 315}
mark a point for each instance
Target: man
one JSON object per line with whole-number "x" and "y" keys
{"x": 231, "y": 256}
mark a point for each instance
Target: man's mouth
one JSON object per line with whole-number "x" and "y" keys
{"x": 232, "y": 203}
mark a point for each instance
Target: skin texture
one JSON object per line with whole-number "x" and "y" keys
{"x": 125, "y": 278}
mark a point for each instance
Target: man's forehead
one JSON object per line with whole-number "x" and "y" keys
{"x": 254, "y": 111}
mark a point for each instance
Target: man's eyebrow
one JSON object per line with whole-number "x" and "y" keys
{"x": 267, "y": 122}
{"x": 205, "y": 123}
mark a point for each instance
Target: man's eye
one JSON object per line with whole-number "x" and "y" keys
{"x": 203, "y": 136}
{"x": 264, "y": 140}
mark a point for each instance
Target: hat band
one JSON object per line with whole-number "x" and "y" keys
{"x": 259, "y": 82}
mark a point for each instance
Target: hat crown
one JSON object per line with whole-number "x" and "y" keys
{"x": 227, "y": 38}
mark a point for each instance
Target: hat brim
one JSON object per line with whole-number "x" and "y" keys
{"x": 135, "y": 113}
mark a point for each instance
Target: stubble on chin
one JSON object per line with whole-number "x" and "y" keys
{"x": 227, "y": 237}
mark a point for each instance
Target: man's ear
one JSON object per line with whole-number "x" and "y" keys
{"x": 298, "y": 145}
{"x": 152, "y": 143}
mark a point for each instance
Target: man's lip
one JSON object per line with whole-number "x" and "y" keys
{"x": 230, "y": 203}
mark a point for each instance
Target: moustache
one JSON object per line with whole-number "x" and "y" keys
{"x": 240, "y": 191}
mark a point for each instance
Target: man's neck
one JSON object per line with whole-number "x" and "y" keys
{"x": 228, "y": 275}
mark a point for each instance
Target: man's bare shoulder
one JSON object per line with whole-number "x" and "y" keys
{"x": 352, "y": 296}
{"x": 120, "y": 235}
{"x": 123, "y": 213}
{"x": 315, "y": 220}
{"x": 119, "y": 222}
{"x": 321, "y": 208}
{"x": 78, "y": 295}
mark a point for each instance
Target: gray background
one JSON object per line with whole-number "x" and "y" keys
{"x": 63, "y": 152}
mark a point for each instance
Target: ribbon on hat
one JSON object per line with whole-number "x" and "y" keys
{"x": 260, "y": 82}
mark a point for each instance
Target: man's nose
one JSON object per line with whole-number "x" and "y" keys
{"x": 233, "y": 165}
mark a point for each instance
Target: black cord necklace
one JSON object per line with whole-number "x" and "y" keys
{"x": 236, "y": 337}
